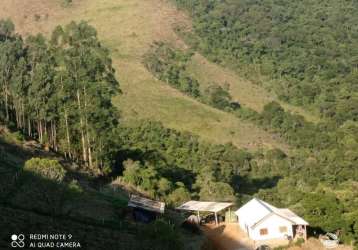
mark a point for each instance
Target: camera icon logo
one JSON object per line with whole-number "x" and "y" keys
{"x": 18, "y": 241}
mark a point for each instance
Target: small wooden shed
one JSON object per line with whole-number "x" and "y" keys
{"x": 145, "y": 210}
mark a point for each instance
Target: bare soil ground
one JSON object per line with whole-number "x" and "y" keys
{"x": 230, "y": 237}
{"x": 227, "y": 237}
{"x": 315, "y": 244}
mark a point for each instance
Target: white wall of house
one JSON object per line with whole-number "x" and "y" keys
{"x": 251, "y": 212}
{"x": 262, "y": 221}
{"x": 273, "y": 227}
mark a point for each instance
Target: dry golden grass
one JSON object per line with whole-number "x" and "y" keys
{"x": 128, "y": 28}
{"x": 315, "y": 244}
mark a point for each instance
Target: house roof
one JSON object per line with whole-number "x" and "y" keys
{"x": 146, "y": 204}
{"x": 287, "y": 213}
{"x": 256, "y": 211}
{"x": 204, "y": 206}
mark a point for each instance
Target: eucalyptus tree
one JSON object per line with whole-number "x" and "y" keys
{"x": 19, "y": 86}
{"x": 59, "y": 91}
{"x": 64, "y": 94}
{"x": 88, "y": 83}
{"x": 10, "y": 52}
{"x": 42, "y": 89}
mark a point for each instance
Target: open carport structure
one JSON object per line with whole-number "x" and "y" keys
{"x": 205, "y": 206}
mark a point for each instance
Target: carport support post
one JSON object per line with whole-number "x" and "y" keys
{"x": 216, "y": 218}
{"x": 229, "y": 216}
{"x": 305, "y": 233}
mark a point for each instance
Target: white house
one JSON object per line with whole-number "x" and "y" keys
{"x": 262, "y": 221}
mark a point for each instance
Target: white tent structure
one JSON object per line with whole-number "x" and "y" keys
{"x": 205, "y": 206}
{"x": 262, "y": 221}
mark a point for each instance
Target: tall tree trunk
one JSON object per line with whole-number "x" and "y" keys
{"x": 84, "y": 149}
{"x": 29, "y": 127}
{"x": 68, "y": 134}
{"x": 41, "y": 131}
{"x": 17, "y": 109}
{"x": 51, "y": 141}
{"x": 46, "y": 135}
{"x": 87, "y": 133}
{"x": 38, "y": 130}
{"x": 55, "y": 136}
{"x": 6, "y": 105}
{"x": 17, "y": 116}
{"x": 23, "y": 116}
{"x": 100, "y": 153}
{"x": 89, "y": 152}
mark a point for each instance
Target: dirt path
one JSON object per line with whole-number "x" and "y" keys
{"x": 227, "y": 237}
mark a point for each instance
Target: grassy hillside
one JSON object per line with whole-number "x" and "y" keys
{"x": 128, "y": 28}
{"x": 92, "y": 210}
{"x": 24, "y": 210}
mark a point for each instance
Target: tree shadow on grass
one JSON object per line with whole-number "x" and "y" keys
{"x": 32, "y": 203}
{"x": 250, "y": 186}
{"x": 13, "y": 158}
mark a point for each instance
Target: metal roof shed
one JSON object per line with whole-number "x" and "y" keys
{"x": 205, "y": 206}
{"x": 146, "y": 204}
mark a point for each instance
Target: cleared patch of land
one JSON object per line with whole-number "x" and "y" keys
{"x": 128, "y": 28}
{"x": 228, "y": 236}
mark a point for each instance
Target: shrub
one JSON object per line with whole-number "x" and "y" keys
{"x": 178, "y": 196}
{"x": 37, "y": 17}
{"x": 299, "y": 242}
{"x": 66, "y": 3}
{"x": 49, "y": 169}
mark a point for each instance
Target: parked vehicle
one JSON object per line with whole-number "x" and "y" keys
{"x": 329, "y": 240}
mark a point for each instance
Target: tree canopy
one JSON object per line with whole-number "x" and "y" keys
{"x": 59, "y": 91}
{"x": 306, "y": 49}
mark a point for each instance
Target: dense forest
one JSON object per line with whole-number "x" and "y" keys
{"x": 307, "y": 50}
{"x": 59, "y": 90}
